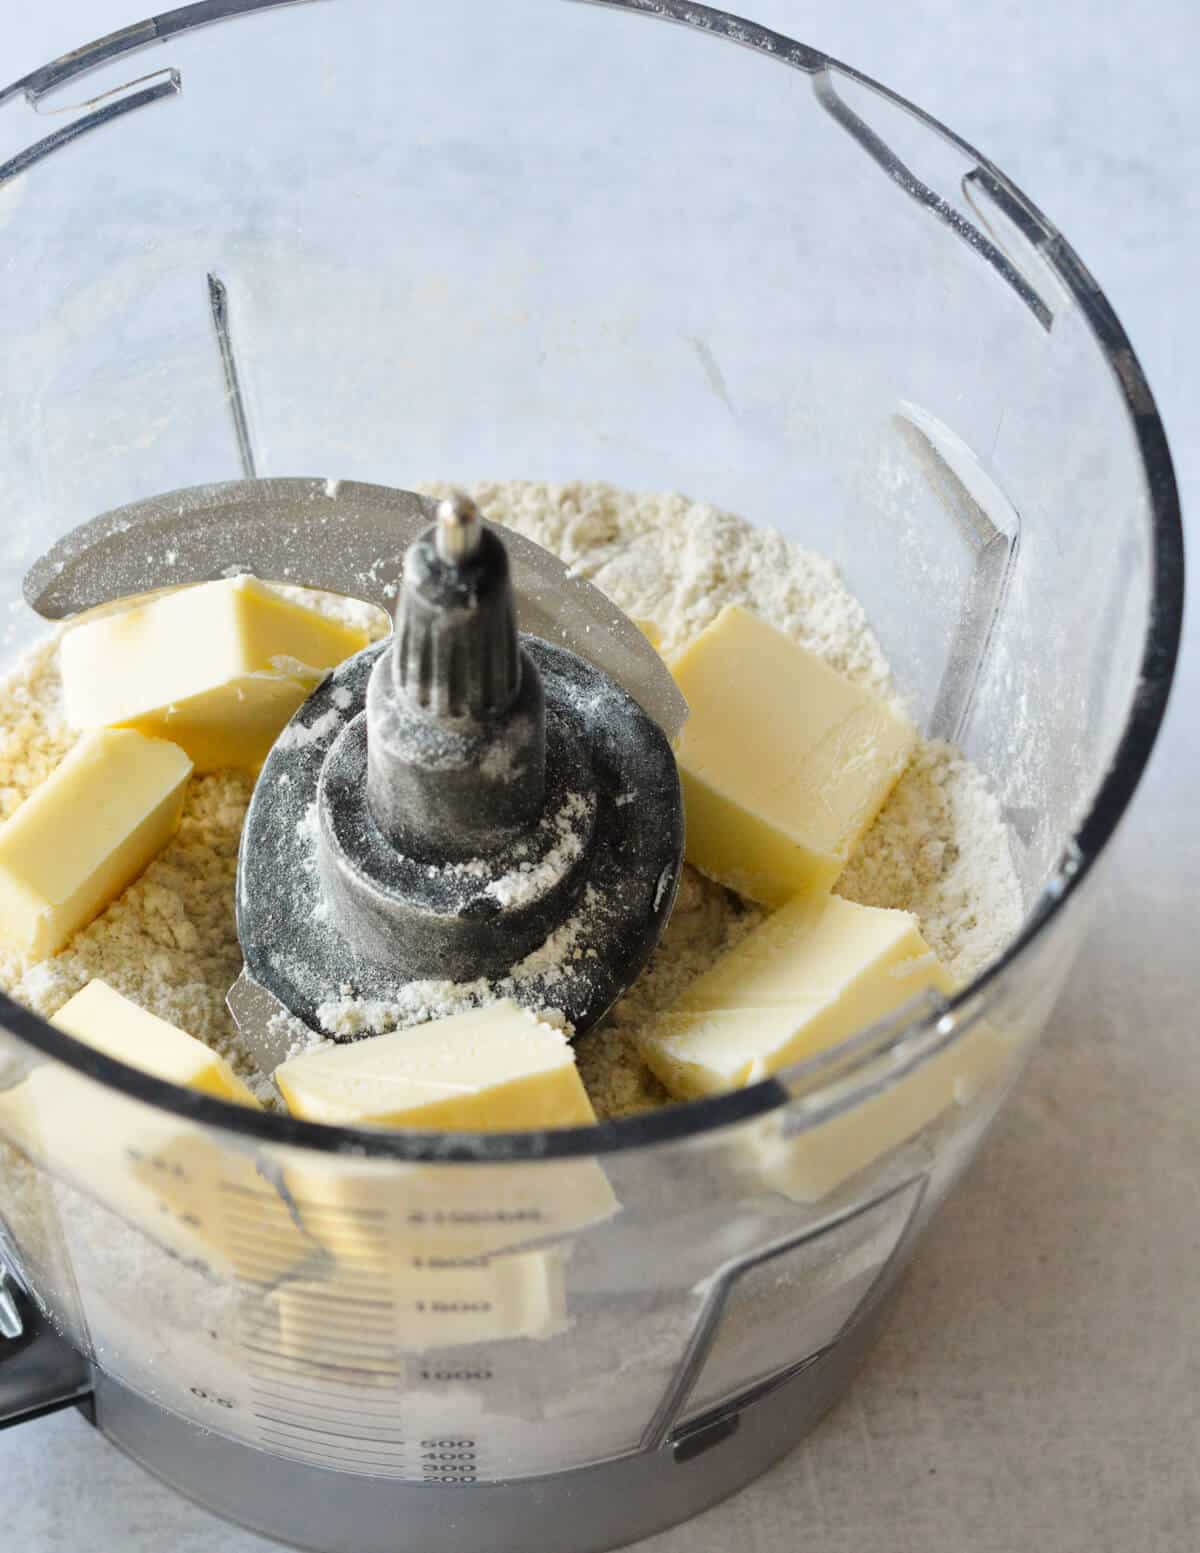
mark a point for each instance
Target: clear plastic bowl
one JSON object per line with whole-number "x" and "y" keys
{"x": 550, "y": 240}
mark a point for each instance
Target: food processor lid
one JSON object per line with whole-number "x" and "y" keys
{"x": 858, "y": 1061}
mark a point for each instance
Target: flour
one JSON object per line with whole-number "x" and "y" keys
{"x": 296, "y": 735}
{"x": 528, "y": 881}
{"x": 663, "y": 558}
{"x": 939, "y": 848}
{"x": 415, "y": 1002}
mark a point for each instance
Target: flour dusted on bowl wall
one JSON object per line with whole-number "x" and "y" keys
{"x": 937, "y": 849}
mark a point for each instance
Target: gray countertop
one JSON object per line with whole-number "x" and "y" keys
{"x": 1039, "y": 1385}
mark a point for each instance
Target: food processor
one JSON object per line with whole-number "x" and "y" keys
{"x": 277, "y": 274}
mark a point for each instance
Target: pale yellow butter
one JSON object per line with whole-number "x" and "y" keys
{"x": 84, "y": 834}
{"x": 112, "y": 1024}
{"x": 218, "y": 668}
{"x": 784, "y": 763}
{"x": 419, "y": 1302}
{"x": 161, "y": 1175}
{"x": 362, "y": 1210}
{"x": 492, "y": 1069}
{"x": 495, "y": 1068}
{"x": 813, "y": 1163}
{"x": 808, "y": 977}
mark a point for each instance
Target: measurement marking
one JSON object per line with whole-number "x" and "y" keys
{"x": 338, "y": 1382}
{"x": 376, "y": 1373}
{"x": 364, "y": 1356}
{"x": 310, "y": 1316}
{"x": 255, "y": 1294}
{"x": 333, "y": 1351}
{"x": 329, "y": 1295}
{"x": 389, "y": 1471}
{"x": 330, "y": 1315}
{"x": 371, "y": 1345}
{"x": 307, "y": 1205}
{"x": 238, "y": 1190}
{"x": 342, "y": 1386}
{"x": 336, "y": 1428}
{"x": 256, "y": 1193}
{"x": 375, "y": 1296}
{"x": 336, "y": 1399}
{"x": 355, "y": 1279}
{"x": 252, "y": 1199}
{"x": 242, "y": 1217}
{"x": 300, "y": 1295}
{"x": 370, "y": 1263}
{"x": 265, "y": 1242}
{"x": 265, "y": 1327}
{"x": 339, "y": 1412}
{"x": 337, "y": 1346}
{"x": 325, "y": 1417}
{"x": 331, "y": 1357}
{"x": 252, "y": 1251}
{"x": 265, "y": 1369}
{"x": 332, "y": 1391}
{"x": 333, "y": 1434}
{"x": 279, "y": 1228}
{"x": 359, "y": 1286}
{"x": 333, "y": 1453}
{"x": 397, "y": 1471}
{"x": 270, "y": 1220}
{"x": 276, "y": 1229}
{"x": 311, "y": 1440}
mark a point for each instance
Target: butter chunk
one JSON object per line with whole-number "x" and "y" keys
{"x": 84, "y": 834}
{"x": 492, "y": 1069}
{"x": 783, "y": 762}
{"x": 165, "y": 1178}
{"x": 218, "y": 668}
{"x": 432, "y": 1302}
{"x": 812, "y": 974}
{"x": 813, "y": 1163}
{"x": 444, "y": 1209}
{"x": 651, "y": 632}
{"x": 113, "y": 1025}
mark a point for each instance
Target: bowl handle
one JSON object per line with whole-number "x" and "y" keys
{"x": 39, "y": 1370}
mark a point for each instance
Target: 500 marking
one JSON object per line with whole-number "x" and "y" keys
{"x": 448, "y": 1461}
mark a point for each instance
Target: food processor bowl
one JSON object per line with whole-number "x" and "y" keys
{"x": 561, "y": 241}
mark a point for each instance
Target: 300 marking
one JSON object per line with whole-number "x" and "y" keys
{"x": 448, "y": 1461}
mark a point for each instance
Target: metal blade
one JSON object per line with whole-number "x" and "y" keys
{"x": 340, "y": 536}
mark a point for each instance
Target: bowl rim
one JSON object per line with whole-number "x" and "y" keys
{"x": 836, "y": 1081}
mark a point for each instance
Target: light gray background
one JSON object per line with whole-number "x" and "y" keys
{"x": 1040, "y": 1384}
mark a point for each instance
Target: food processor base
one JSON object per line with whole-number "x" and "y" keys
{"x": 605, "y": 1505}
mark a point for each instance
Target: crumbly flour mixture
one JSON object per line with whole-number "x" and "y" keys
{"x": 938, "y": 849}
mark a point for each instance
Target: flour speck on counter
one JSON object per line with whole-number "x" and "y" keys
{"x": 939, "y": 848}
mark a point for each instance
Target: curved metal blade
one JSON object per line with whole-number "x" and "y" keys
{"x": 341, "y": 536}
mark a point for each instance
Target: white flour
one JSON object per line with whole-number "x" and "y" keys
{"x": 939, "y": 849}
{"x": 529, "y": 880}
